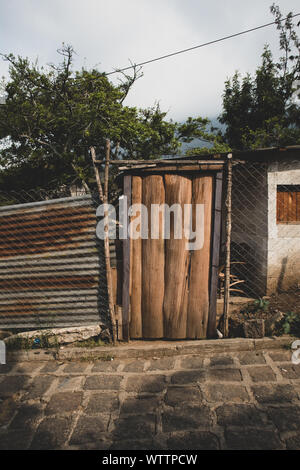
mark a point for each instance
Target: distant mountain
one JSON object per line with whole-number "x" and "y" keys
{"x": 199, "y": 143}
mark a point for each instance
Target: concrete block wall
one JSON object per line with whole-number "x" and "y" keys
{"x": 283, "y": 239}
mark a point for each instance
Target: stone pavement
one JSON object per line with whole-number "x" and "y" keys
{"x": 239, "y": 400}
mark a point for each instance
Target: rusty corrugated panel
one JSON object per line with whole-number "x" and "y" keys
{"x": 52, "y": 269}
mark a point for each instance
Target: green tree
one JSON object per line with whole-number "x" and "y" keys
{"x": 262, "y": 110}
{"x": 202, "y": 129}
{"x": 52, "y": 115}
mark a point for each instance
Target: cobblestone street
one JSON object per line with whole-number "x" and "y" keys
{"x": 240, "y": 400}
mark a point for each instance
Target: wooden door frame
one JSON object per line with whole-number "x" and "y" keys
{"x": 126, "y": 266}
{"x": 215, "y": 253}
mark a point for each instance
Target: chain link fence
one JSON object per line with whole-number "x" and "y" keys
{"x": 265, "y": 238}
{"x": 52, "y": 267}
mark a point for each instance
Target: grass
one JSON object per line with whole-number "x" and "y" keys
{"x": 45, "y": 341}
{"x": 91, "y": 343}
{"x": 106, "y": 358}
{"x": 40, "y": 341}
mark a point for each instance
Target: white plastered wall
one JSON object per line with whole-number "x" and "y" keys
{"x": 283, "y": 239}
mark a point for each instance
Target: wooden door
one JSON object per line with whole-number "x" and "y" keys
{"x": 170, "y": 286}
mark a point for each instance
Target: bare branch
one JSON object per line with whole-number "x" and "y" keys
{"x": 129, "y": 80}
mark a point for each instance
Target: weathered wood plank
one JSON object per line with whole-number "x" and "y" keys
{"x": 153, "y": 263}
{"x": 179, "y": 162}
{"x": 298, "y": 206}
{"x": 136, "y": 266}
{"x": 126, "y": 269}
{"x": 172, "y": 168}
{"x": 293, "y": 206}
{"x": 198, "y": 303}
{"x": 178, "y": 190}
{"x": 215, "y": 253}
{"x": 280, "y": 206}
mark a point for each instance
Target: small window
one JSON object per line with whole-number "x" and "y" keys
{"x": 288, "y": 204}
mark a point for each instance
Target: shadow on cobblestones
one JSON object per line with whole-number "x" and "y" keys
{"x": 248, "y": 400}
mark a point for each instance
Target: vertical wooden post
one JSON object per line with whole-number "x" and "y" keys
{"x": 136, "y": 267}
{"x": 153, "y": 261}
{"x": 106, "y": 170}
{"x": 126, "y": 267}
{"x": 97, "y": 175}
{"x": 104, "y": 199}
{"x": 178, "y": 190}
{"x": 215, "y": 253}
{"x": 200, "y": 260}
{"x": 228, "y": 242}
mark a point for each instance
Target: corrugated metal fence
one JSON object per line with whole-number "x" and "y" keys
{"x": 52, "y": 269}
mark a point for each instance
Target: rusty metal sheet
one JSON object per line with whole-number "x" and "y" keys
{"x": 52, "y": 268}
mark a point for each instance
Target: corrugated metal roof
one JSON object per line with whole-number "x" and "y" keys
{"x": 251, "y": 154}
{"x": 52, "y": 270}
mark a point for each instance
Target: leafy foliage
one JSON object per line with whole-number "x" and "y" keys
{"x": 51, "y": 116}
{"x": 291, "y": 324}
{"x": 260, "y": 305}
{"x": 262, "y": 110}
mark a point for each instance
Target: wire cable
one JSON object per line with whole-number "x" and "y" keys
{"x": 182, "y": 51}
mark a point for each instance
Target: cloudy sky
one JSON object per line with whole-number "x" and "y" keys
{"x": 107, "y": 34}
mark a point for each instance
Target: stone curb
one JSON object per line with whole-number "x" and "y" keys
{"x": 145, "y": 349}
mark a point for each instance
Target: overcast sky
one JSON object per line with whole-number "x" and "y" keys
{"x": 107, "y": 33}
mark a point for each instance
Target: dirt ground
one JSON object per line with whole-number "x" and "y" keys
{"x": 284, "y": 302}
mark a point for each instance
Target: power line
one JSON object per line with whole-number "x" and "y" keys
{"x": 182, "y": 51}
